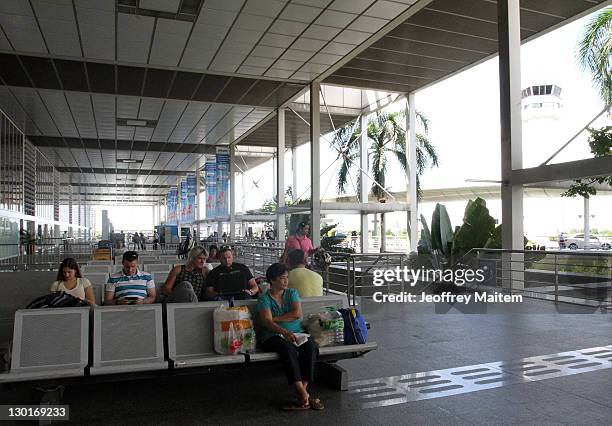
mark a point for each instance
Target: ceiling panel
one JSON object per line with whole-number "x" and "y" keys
{"x": 32, "y": 103}
{"x": 58, "y": 26}
{"x": 441, "y": 38}
{"x": 192, "y": 115}
{"x": 104, "y": 110}
{"x": 134, "y": 37}
{"x": 168, "y": 119}
{"x": 169, "y": 41}
{"x": 19, "y": 24}
{"x": 82, "y": 111}
{"x": 96, "y": 21}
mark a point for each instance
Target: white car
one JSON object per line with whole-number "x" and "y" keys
{"x": 577, "y": 242}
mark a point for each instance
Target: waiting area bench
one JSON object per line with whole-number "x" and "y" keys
{"x": 129, "y": 339}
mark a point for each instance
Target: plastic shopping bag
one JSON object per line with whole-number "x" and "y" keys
{"x": 233, "y": 330}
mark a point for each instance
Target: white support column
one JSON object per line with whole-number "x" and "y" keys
{"x": 232, "y": 193}
{"x": 294, "y": 170}
{"x": 197, "y": 206}
{"x": 244, "y": 189}
{"x": 364, "y": 188}
{"x": 411, "y": 189}
{"x": 315, "y": 163}
{"x": 280, "y": 172}
{"x": 511, "y": 142}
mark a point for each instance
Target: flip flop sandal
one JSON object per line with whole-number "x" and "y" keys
{"x": 315, "y": 404}
{"x": 296, "y": 407}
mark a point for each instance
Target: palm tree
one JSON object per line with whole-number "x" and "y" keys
{"x": 388, "y": 138}
{"x": 595, "y": 53}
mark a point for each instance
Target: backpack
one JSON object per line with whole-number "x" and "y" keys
{"x": 355, "y": 329}
{"x": 57, "y": 299}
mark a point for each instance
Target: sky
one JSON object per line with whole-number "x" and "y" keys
{"x": 464, "y": 115}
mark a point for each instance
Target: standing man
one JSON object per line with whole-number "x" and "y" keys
{"x": 230, "y": 280}
{"x": 129, "y": 286}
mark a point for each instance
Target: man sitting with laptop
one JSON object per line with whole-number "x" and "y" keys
{"x": 230, "y": 280}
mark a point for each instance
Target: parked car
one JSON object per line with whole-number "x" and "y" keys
{"x": 577, "y": 242}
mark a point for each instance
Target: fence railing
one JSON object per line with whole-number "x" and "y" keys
{"x": 258, "y": 256}
{"x": 353, "y": 274}
{"x": 30, "y": 256}
{"x": 560, "y": 276}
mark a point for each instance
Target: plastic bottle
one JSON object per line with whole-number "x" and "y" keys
{"x": 337, "y": 327}
{"x": 333, "y": 327}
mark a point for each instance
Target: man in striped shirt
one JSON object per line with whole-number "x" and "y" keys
{"x": 129, "y": 286}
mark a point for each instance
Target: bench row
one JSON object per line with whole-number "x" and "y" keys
{"x": 56, "y": 343}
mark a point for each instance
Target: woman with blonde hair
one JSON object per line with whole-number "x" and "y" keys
{"x": 186, "y": 283}
{"x": 70, "y": 280}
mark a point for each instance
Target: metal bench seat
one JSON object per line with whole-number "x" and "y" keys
{"x": 206, "y": 360}
{"x": 190, "y": 336}
{"x": 127, "y": 338}
{"x": 49, "y": 344}
{"x": 346, "y": 349}
{"x": 127, "y": 366}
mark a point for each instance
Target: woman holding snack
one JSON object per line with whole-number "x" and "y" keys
{"x": 280, "y": 313}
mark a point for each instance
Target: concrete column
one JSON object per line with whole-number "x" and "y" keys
{"x": 244, "y": 189}
{"x": 232, "y": 192}
{"x": 315, "y": 163}
{"x": 280, "y": 173}
{"x": 411, "y": 188}
{"x": 511, "y": 142}
{"x": 294, "y": 170}
{"x": 364, "y": 188}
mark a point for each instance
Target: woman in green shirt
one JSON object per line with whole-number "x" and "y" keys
{"x": 280, "y": 313}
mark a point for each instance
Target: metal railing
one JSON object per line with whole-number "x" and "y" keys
{"x": 353, "y": 274}
{"x": 46, "y": 256}
{"x": 559, "y": 276}
{"x": 258, "y": 256}
{"x": 350, "y": 274}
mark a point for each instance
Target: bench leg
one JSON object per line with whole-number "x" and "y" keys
{"x": 50, "y": 397}
{"x": 333, "y": 375}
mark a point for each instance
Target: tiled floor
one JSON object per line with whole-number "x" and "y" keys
{"x": 412, "y": 339}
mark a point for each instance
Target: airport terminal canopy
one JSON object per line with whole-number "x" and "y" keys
{"x": 122, "y": 97}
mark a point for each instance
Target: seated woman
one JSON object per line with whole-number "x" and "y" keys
{"x": 185, "y": 283}
{"x": 280, "y": 313}
{"x": 70, "y": 280}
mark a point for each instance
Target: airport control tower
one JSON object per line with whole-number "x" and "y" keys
{"x": 542, "y": 110}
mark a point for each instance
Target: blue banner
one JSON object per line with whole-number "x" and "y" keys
{"x": 223, "y": 175}
{"x": 183, "y": 200}
{"x": 210, "y": 173}
{"x": 191, "y": 197}
{"x": 171, "y": 207}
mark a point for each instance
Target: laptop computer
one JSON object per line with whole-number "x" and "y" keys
{"x": 231, "y": 283}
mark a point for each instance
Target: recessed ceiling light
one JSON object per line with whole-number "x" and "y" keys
{"x": 128, "y": 160}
